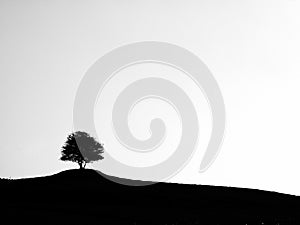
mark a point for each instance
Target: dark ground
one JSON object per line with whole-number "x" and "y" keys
{"x": 85, "y": 197}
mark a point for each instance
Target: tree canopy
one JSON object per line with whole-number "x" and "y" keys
{"x": 81, "y": 148}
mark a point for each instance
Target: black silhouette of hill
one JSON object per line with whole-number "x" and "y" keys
{"x": 85, "y": 197}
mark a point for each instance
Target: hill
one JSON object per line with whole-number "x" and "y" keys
{"x": 83, "y": 196}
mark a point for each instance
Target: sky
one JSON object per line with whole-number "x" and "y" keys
{"x": 251, "y": 47}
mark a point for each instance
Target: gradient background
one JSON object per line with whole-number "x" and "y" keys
{"x": 252, "y": 48}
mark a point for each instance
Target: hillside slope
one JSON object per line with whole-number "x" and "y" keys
{"x": 83, "y": 196}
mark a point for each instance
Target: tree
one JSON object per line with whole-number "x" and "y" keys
{"x": 81, "y": 148}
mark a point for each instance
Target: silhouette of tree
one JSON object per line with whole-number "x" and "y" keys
{"x": 81, "y": 148}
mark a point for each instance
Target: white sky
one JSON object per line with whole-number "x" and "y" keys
{"x": 251, "y": 46}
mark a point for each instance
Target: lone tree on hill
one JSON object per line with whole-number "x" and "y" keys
{"x": 81, "y": 148}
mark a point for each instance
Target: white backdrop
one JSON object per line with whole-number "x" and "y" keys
{"x": 251, "y": 47}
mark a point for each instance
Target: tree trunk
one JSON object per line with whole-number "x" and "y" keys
{"x": 80, "y": 165}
